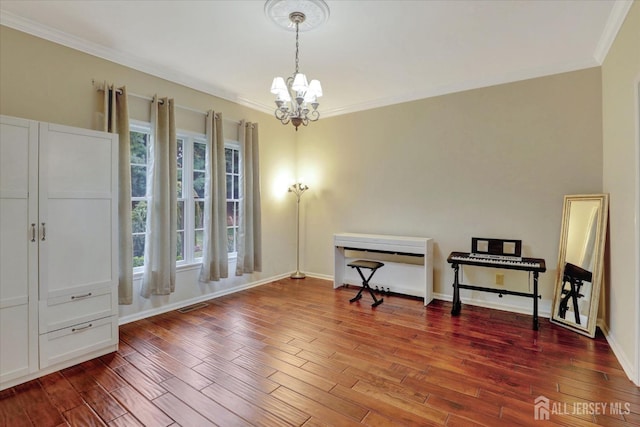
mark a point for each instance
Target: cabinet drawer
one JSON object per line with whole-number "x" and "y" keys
{"x": 82, "y": 306}
{"x": 78, "y": 340}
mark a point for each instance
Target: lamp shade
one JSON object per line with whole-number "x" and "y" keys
{"x": 278, "y": 86}
{"x": 300, "y": 82}
{"x": 284, "y": 95}
{"x": 316, "y": 88}
{"x": 309, "y": 96}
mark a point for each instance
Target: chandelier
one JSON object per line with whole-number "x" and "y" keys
{"x": 296, "y": 97}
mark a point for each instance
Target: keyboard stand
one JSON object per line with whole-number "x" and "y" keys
{"x": 535, "y": 265}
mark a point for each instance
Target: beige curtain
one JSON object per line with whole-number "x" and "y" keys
{"x": 250, "y": 222}
{"x": 116, "y": 120}
{"x": 160, "y": 241}
{"x": 215, "y": 260}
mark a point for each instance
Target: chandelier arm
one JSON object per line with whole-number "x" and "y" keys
{"x": 293, "y": 106}
{"x": 281, "y": 115}
{"x": 313, "y": 116}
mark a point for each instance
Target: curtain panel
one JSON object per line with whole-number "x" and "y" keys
{"x": 160, "y": 240}
{"x": 116, "y": 120}
{"x": 215, "y": 259}
{"x": 250, "y": 228}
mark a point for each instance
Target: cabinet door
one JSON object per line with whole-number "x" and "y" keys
{"x": 18, "y": 248}
{"x": 78, "y": 212}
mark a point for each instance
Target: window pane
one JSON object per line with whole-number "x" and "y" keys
{"x": 236, "y": 187}
{"x": 180, "y": 246}
{"x": 228, "y": 157}
{"x": 139, "y": 216}
{"x": 138, "y": 250}
{"x": 198, "y": 184}
{"x": 180, "y": 152}
{"x": 199, "y": 153}
{"x": 236, "y": 206}
{"x": 180, "y": 224}
{"x": 230, "y": 214}
{"x": 138, "y": 181}
{"x": 236, "y": 162}
{"x": 179, "y": 184}
{"x": 197, "y": 250}
{"x": 199, "y": 214}
{"x": 231, "y": 247}
{"x": 229, "y": 187}
{"x": 138, "y": 147}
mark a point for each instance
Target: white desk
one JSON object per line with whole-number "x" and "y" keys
{"x": 408, "y": 262}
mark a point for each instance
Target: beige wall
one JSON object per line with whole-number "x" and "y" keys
{"x": 492, "y": 162}
{"x": 620, "y": 80}
{"x": 44, "y": 81}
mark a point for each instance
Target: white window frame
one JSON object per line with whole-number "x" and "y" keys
{"x": 188, "y": 139}
{"x": 141, "y": 127}
{"x": 235, "y": 145}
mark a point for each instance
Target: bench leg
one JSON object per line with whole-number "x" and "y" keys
{"x": 365, "y": 285}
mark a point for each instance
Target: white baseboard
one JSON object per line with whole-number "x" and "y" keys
{"x": 627, "y": 365}
{"x": 184, "y": 303}
{"x": 544, "y": 306}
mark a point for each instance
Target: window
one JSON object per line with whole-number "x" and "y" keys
{"x": 232, "y": 166}
{"x": 139, "y": 156}
{"x": 199, "y": 156}
{"x": 190, "y": 162}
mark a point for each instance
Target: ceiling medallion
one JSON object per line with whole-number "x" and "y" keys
{"x": 296, "y": 99}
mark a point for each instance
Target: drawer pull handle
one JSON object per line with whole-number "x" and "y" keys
{"x": 44, "y": 232}
{"x": 82, "y": 328}
{"x": 81, "y": 296}
{"x": 33, "y": 231}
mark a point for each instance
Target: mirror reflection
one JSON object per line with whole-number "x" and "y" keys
{"x": 580, "y": 262}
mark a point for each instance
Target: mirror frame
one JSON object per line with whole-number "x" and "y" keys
{"x": 598, "y": 262}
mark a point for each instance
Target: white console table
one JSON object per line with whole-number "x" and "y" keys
{"x": 408, "y": 262}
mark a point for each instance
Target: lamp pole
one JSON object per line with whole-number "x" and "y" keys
{"x": 298, "y": 189}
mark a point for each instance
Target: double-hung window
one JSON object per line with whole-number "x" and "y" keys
{"x": 140, "y": 145}
{"x": 191, "y": 175}
{"x": 232, "y": 170}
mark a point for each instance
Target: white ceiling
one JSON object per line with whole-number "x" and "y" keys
{"x": 368, "y": 54}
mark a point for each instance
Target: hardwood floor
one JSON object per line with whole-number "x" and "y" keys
{"x": 295, "y": 352}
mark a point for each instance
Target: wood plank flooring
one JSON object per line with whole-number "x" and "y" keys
{"x": 296, "y": 353}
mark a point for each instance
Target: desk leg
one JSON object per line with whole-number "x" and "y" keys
{"x": 535, "y": 300}
{"x": 457, "y": 306}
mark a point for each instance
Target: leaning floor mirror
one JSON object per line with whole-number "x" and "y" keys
{"x": 580, "y": 262}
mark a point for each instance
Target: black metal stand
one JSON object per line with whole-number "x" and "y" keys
{"x": 457, "y": 305}
{"x": 373, "y": 266}
{"x": 573, "y": 275}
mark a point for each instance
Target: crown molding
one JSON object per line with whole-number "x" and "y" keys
{"x": 28, "y": 26}
{"x": 511, "y": 77}
{"x": 614, "y": 23}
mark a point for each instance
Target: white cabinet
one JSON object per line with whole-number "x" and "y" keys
{"x": 58, "y": 247}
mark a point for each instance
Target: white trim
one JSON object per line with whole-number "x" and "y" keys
{"x": 511, "y": 77}
{"x": 544, "y": 306}
{"x": 614, "y": 23}
{"x": 11, "y": 20}
{"x": 616, "y": 18}
{"x": 627, "y": 365}
{"x": 184, "y": 303}
{"x": 637, "y": 233}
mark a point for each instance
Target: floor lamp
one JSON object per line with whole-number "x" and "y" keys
{"x": 298, "y": 189}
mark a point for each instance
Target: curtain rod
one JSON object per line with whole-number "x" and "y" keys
{"x": 148, "y": 98}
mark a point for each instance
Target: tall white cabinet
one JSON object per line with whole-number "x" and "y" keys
{"x": 58, "y": 247}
